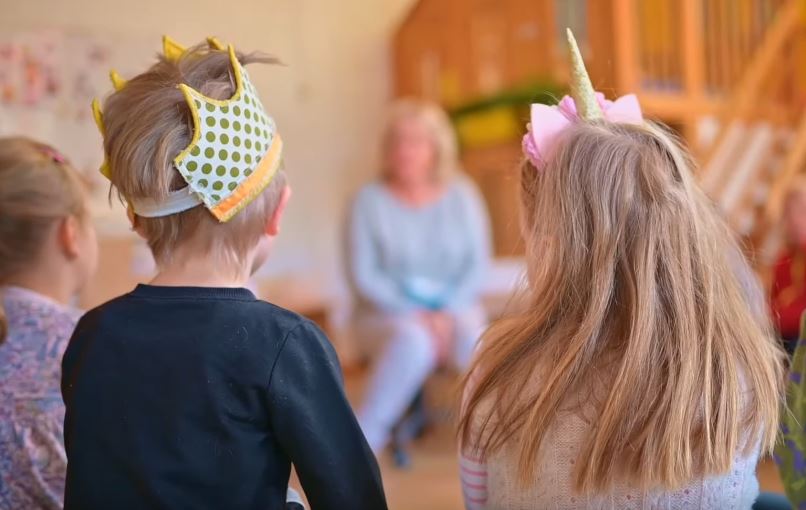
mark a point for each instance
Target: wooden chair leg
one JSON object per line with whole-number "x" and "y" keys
{"x": 410, "y": 427}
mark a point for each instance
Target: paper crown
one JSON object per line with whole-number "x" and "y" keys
{"x": 584, "y": 104}
{"x": 233, "y": 155}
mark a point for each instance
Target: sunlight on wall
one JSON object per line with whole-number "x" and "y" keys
{"x": 328, "y": 100}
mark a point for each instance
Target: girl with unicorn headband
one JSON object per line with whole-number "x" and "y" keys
{"x": 637, "y": 374}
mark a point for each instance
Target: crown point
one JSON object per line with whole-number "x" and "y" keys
{"x": 171, "y": 49}
{"x": 581, "y": 86}
{"x": 105, "y": 171}
{"x": 215, "y": 44}
{"x": 98, "y": 115}
{"x": 236, "y": 69}
{"x": 117, "y": 80}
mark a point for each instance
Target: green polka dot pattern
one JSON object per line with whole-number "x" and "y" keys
{"x": 232, "y": 140}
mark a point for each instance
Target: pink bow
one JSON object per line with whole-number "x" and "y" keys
{"x": 549, "y": 121}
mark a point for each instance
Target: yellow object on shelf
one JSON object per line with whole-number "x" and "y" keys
{"x": 489, "y": 127}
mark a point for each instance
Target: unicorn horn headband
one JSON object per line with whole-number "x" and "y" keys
{"x": 233, "y": 155}
{"x": 581, "y": 86}
{"x": 583, "y": 105}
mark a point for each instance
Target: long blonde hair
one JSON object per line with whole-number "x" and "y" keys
{"x": 37, "y": 189}
{"x": 634, "y": 304}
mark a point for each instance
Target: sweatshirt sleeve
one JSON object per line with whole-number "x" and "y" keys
{"x": 315, "y": 426}
{"x": 371, "y": 282}
{"x": 467, "y": 288}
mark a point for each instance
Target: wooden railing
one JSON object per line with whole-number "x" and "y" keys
{"x": 757, "y": 94}
{"x": 794, "y": 164}
{"x": 698, "y": 46}
{"x": 685, "y": 57}
{"x": 739, "y": 63}
{"x": 734, "y": 30}
{"x": 761, "y": 144}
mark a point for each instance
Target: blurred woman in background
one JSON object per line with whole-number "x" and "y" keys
{"x": 419, "y": 250}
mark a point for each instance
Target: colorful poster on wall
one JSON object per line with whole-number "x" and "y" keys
{"x": 48, "y": 79}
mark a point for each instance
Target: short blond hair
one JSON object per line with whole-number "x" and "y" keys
{"x": 148, "y": 123}
{"x": 439, "y": 126}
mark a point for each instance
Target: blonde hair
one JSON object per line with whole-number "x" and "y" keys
{"x": 148, "y": 123}
{"x": 633, "y": 302}
{"x": 436, "y": 121}
{"x": 37, "y": 189}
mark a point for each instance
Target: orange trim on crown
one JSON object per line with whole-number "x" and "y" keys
{"x": 252, "y": 185}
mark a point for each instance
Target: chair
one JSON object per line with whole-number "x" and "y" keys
{"x": 431, "y": 407}
{"x": 410, "y": 427}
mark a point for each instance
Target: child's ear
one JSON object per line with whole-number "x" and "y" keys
{"x": 133, "y": 221}
{"x": 273, "y": 224}
{"x": 67, "y": 236}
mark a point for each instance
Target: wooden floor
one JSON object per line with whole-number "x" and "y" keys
{"x": 432, "y": 482}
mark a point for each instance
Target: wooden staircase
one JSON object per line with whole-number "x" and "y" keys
{"x": 761, "y": 142}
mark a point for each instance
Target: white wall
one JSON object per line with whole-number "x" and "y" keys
{"x": 328, "y": 102}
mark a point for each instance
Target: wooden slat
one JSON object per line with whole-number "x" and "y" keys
{"x": 794, "y": 164}
{"x": 625, "y": 57}
{"x": 747, "y": 171}
{"x": 761, "y": 67}
{"x": 601, "y": 39}
{"x": 693, "y": 64}
{"x": 676, "y": 108}
{"x": 763, "y": 64}
{"x": 670, "y": 52}
{"x": 711, "y": 35}
{"x": 531, "y": 39}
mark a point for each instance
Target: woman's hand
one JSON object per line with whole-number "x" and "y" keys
{"x": 441, "y": 326}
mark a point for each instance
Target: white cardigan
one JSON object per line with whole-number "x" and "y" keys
{"x": 492, "y": 483}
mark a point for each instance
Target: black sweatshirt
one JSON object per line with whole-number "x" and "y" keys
{"x": 201, "y": 398}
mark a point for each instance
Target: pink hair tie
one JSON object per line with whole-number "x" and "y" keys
{"x": 53, "y": 154}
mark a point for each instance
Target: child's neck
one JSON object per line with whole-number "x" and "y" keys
{"x": 57, "y": 283}
{"x": 201, "y": 272}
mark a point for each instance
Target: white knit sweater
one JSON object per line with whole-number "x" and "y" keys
{"x": 492, "y": 483}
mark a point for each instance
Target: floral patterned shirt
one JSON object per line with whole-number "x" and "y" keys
{"x": 32, "y": 458}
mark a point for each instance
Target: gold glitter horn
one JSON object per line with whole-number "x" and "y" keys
{"x": 581, "y": 87}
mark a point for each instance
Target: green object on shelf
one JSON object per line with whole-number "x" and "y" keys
{"x": 544, "y": 92}
{"x": 502, "y": 117}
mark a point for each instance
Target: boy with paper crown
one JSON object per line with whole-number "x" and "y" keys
{"x": 189, "y": 392}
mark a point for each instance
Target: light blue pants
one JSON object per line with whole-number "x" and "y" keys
{"x": 404, "y": 358}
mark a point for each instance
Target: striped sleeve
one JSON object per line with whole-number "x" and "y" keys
{"x": 473, "y": 473}
{"x": 472, "y": 468}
